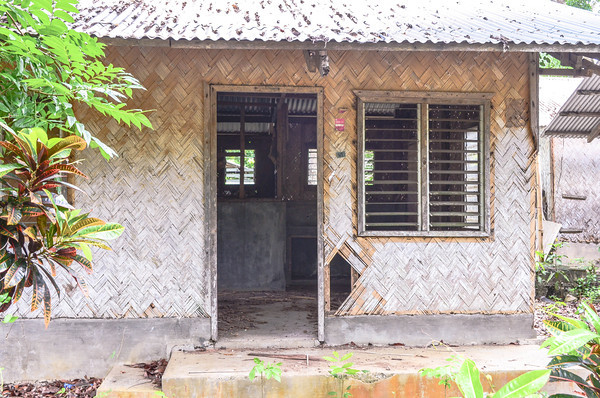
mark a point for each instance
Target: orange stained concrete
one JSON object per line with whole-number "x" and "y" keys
{"x": 393, "y": 371}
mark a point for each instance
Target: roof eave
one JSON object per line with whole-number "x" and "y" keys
{"x": 334, "y": 45}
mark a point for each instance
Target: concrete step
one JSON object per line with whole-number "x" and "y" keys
{"x": 127, "y": 382}
{"x": 393, "y": 371}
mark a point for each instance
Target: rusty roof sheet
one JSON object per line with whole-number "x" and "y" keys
{"x": 580, "y": 114}
{"x": 533, "y": 22}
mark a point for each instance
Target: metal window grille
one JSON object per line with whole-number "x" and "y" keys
{"x": 391, "y": 164}
{"x": 423, "y": 167}
{"x": 233, "y": 166}
{"x": 311, "y": 171}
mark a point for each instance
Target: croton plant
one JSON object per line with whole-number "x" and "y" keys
{"x": 41, "y": 234}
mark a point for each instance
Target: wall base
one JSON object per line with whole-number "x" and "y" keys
{"x": 72, "y": 348}
{"x": 421, "y": 330}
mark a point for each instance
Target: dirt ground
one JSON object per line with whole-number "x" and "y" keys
{"x": 78, "y": 388}
{"x": 543, "y": 309}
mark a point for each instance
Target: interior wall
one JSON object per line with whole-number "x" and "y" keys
{"x": 251, "y": 245}
{"x": 255, "y": 236}
{"x": 155, "y": 186}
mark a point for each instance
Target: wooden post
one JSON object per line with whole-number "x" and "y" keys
{"x": 534, "y": 94}
{"x": 242, "y": 150}
{"x": 539, "y": 207}
{"x": 320, "y": 220}
{"x": 282, "y": 128}
{"x": 210, "y": 189}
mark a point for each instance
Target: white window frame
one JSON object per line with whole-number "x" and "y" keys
{"x": 430, "y": 97}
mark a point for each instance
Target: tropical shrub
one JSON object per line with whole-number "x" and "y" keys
{"x": 39, "y": 231}
{"x": 464, "y": 373}
{"x": 575, "y": 343}
{"x": 45, "y": 69}
{"x": 340, "y": 368}
{"x": 266, "y": 370}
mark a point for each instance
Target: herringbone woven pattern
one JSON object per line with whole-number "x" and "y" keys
{"x": 576, "y": 167}
{"x": 155, "y": 187}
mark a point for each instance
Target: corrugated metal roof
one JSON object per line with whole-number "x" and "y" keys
{"x": 353, "y": 21}
{"x": 580, "y": 114}
{"x": 554, "y": 92}
{"x": 229, "y": 104}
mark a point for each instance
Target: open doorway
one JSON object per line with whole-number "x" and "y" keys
{"x": 267, "y": 218}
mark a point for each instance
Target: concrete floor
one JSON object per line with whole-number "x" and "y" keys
{"x": 267, "y": 319}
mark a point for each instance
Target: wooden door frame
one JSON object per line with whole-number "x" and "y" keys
{"x": 210, "y": 189}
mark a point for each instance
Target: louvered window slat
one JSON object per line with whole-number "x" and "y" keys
{"x": 455, "y": 147}
{"x": 391, "y": 169}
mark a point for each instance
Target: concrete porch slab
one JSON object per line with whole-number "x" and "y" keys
{"x": 393, "y": 371}
{"x": 127, "y": 382}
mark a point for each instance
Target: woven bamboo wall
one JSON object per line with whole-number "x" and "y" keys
{"x": 576, "y": 167}
{"x": 155, "y": 188}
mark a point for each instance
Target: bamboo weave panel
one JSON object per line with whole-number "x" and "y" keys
{"x": 155, "y": 187}
{"x": 576, "y": 167}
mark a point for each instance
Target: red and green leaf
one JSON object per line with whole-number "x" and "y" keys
{"x": 67, "y": 168}
{"x": 87, "y": 264}
{"x": 107, "y": 231}
{"x": 15, "y": 274}
{"x": 70, "y": 142}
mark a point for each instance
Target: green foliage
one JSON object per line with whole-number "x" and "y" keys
{"x": 575, "y": 343}
{"x": 39, "y": 231}
{"x": 548, "y": 269}
{"x": 467, "y": 377}
{"x": 266, "y": 370}
{"x": 583, "y": 4}
{"x": 340, "y": 368}
{"x": 586, "y": 287}
{"x": 46, "y": 67}
{"x": 444, "y": 373}
{"x": 547, "y": 61}
{"x": 8, "y": 318}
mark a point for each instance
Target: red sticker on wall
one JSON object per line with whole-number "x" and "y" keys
{"x": 340, "y": 124}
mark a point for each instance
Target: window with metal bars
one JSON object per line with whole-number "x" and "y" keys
{"x": 423, "y": 166}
